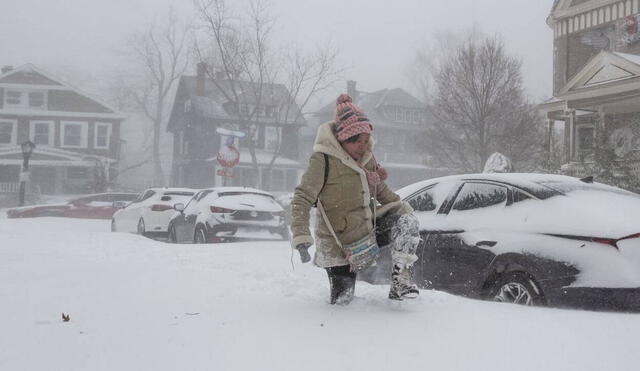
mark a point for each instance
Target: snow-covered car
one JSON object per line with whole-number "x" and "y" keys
{"x": 149, "y": 214}
{"x": 226, "y": 214}
{"x": 532, "y": 239}
{"x": 94, "y": 206}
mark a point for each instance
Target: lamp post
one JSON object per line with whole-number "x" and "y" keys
{"x": 27, "y": 149}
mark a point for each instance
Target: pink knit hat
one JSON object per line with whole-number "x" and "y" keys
{"x": 350, "y": 119}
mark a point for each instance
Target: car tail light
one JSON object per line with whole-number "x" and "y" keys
{"x": 161, "y": 207}
{"x": 220, "y": 210}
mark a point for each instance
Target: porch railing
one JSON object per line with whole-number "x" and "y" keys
{"x": 9, "y": 187}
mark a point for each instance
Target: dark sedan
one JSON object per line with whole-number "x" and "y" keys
{"x": 530, "y": 239}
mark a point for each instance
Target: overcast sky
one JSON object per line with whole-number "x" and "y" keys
{"x": 377, "y": 39}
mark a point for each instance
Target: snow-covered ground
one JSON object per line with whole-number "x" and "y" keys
{"x": 138, "y": 304}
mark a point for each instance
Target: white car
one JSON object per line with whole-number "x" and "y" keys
{"x": 149, "y": 214}
{"x": 226, "y": 214}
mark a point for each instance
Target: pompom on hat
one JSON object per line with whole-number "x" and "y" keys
{"x": 350, "y": 120}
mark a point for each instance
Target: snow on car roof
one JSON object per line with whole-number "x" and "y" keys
{"x": 517, "y": 179}
{"x": 174, "y": 189}
{"x": 240, "y": 190}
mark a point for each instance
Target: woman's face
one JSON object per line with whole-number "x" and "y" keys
{"x": 358, "y": 148}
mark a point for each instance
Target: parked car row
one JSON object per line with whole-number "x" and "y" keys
{"x": 530, "y": 239}
{"x": 220, "y": 214}
{"x": 95, "y": 206}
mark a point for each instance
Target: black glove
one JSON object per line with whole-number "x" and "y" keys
{"x": 303, "y": 249}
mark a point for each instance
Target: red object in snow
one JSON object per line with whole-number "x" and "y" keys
{"x": 228, "y": 156}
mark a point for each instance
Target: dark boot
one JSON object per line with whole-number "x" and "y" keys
{"x": 402, "y": 287}
{"x": 342, "y": 283}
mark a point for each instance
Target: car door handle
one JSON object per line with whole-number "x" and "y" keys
{"x": 486, "y": 243}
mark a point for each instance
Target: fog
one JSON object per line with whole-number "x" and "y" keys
{"x": 86, "y": 43}
{"x": 377, "y": 40}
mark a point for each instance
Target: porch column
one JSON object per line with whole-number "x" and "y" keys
{"x": 550, "y": 129}
{"x": 569, "y": 129}
{"x": 600, "y": 122}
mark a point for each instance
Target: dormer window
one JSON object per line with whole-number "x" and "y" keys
{"x": 14, "y": 98}
{"x": 36, "y": 99}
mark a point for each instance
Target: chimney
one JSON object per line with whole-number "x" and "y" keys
{"x": 351, "y": 90}
{"x": 200, "y": 78}
{"x": 6, "y": 69}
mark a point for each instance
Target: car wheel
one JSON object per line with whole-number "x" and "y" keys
{"x": 172, "y": 234}
{"x": 141, "y": 227}
{"x": 518, "y": 288}
{"x": 200, "y": 235}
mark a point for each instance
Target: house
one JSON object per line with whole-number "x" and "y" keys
{"x": 596, "y": 79}
{"x": 399, "y": 121}
{"x": 203, "y": 105}
{"x": 77, "y": 137}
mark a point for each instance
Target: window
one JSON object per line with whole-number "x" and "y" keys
{"x": 8, "y": 132}
{"x": 423, "y": 201}
{"x": 37, "y": 99}
{"x": 102, "y": 135}
{"x": 292, "y": 179}
{"x": 479, "y": 195}
{"x": 519, "y": 196}
{"x": 13, "y": 98}
{"x": 41, "y": 132}
{"x": 277, "y": 180}
{"x": 270, "y": 111}
{"x": 25, "y": 99}
{"x": 271, "y": 138}
{"x": 586, "y": 136}
{"x": 73, "y": 134}
{"x": 77, "y": 172}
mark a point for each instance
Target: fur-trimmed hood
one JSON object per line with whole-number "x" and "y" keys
{"x": 326, "y": 142}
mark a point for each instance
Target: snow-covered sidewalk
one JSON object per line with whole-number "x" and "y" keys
{"x": 138, "y": 304}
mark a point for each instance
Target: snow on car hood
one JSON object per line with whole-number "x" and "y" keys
{"x": 248, "y": 202}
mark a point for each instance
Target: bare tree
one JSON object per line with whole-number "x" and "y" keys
{"x": 480, "y": 108}
{"x": 239, "y": 49}
{"x": 161, "y": 56}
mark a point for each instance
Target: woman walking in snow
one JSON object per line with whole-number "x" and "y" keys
{"x": 346, "y": 182}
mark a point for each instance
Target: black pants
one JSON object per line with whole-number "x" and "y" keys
{"x": 342, "y": 282}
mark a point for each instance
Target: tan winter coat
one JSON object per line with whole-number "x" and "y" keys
{"x": 346, "y": 198}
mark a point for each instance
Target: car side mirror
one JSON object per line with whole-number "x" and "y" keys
{"x": 119, "y": 204}
{"x": 179, "y": 206}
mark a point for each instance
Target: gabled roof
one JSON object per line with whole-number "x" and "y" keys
{"x": 373, "y": 104}
{"x": 604, "y": 70}
{"x": 567, "y": 8}
{"x": 30, "y": 76}
{"x": 212, "y": 104}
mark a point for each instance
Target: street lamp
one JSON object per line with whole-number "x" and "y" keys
{"x": 27, "y": 149}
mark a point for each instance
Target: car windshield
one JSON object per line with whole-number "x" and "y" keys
{"x": 568, "y": 187}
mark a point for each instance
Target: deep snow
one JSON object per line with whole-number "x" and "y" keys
{"x": 138, "y": 304}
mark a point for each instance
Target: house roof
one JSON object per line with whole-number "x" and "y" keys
{"x": 604, "y": 70}
{"x": 373, "y": 104}
{"x": 29, "y": 76}
{"x": 212, "y": 104}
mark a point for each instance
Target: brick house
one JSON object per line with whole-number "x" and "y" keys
{"x": 76, "y": 136}
{"x": 201, "y": 106}
{"x": 596, "y": 79}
